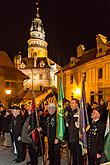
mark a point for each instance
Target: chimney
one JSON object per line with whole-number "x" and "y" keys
{"x": 80, "y": 50}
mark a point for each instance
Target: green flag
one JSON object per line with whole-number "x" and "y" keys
{"x": 107, "y": 139}
{"x": 60, "y": 113}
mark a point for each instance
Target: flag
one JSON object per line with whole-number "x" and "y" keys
{"x": 60, "y": 113}
{"x": 83, "y": 121}
{"x": 33, "y": 132}
{"x": 107, "y": 139}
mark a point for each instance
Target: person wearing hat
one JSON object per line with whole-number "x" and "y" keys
{"x": 53, "y": 142}
{"x": 95, "y": 138}
{"x": 16, "y": 129}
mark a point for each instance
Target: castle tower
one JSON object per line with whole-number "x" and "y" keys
{"x": 37, "y": 66}
{"x": 37, "y": 46}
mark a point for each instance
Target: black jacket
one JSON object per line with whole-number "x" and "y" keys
{"x": 7, "y": 122}
{"x": 73, "y": 130}
{"x": 96, "y": 138}
{"x": 16, "y": 126}
{"x": 51, "y": 127}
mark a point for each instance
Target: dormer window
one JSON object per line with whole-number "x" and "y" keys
{"x": 42, "y": 64}
{"x": 22, "y": 65}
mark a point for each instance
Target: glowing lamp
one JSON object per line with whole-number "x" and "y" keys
{"x": 77, "y": 91}
{"x": 8, "y": 91}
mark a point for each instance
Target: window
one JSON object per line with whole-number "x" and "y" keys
{"x": 100, "y": 95}
{"x": 100, "y": 73}
{"x": 71, "y": 96}
{"x": 42, "y": 64}
{"x": 54, "y": 78}
{"x": 100, "y": 50}
{"x": 92, "y": 97}
{"x": 71, "y": 79}
{"x": 40, "y": 77}
{"x": 7, "y": 84}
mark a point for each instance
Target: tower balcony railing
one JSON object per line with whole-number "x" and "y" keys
{"x": 36, "y": 45}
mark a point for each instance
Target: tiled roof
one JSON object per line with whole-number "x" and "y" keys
{"x": 8, "y": 70}
{"x": 29, "y": 62}
{"x": 86, "y": 57}
{"x": 11, "y": 73}
{"x": 5, "y": 60}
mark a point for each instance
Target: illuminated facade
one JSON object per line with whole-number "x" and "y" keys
{"x": 95, "y": 64}
{"x": 37, "y": 66}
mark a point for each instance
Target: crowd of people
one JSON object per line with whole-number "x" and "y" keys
{"x": 14, "y": 130}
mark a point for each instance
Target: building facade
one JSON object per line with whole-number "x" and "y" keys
{"x": 95, "y": 64}
{"x": 11, "y": 79}
{"x": 37, "y": 66}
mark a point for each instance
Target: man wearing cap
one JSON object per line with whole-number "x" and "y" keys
{"x": 95, "y": 138}
{"x": 16, "y": 127}
{"x": 53, "y": 143}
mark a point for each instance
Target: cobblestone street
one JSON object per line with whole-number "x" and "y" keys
{"x": 7, "y": 156}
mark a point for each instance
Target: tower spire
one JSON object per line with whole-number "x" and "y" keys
{"x": 37, "y": 4}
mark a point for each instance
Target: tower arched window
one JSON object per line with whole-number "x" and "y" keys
{"x": 41, "y": 77}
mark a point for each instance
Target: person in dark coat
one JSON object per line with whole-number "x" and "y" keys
{"x": 104, "y": 111}
{"x": 16, "y": 127}
{"x": 2, "y": 114}
{"x": 72, "y": 123}
{"x": 27, "y": 141}
{"x": 53, "y": 142}
{"x": 95, "y": 138}
{"x": 6, "y": 127}
{"x": 89, "y": 112}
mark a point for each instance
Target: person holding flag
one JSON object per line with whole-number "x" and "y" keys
{"x": 30, "y": 134}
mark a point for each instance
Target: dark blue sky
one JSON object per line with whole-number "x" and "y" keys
{"x": 67, "y": 23}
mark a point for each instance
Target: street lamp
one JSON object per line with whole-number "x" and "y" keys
{"x": 8, "y": 91}
{"x": 77, "y": 91}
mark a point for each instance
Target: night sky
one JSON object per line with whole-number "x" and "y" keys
{"x": 67, "y": 24}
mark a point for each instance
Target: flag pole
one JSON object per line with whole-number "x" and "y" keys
{"x": 37, "y": 120}
{"x": 40, "y": 138}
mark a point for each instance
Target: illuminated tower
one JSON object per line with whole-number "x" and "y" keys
{"x": 37, "y": 66}
{"x": 37, "y": 46}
